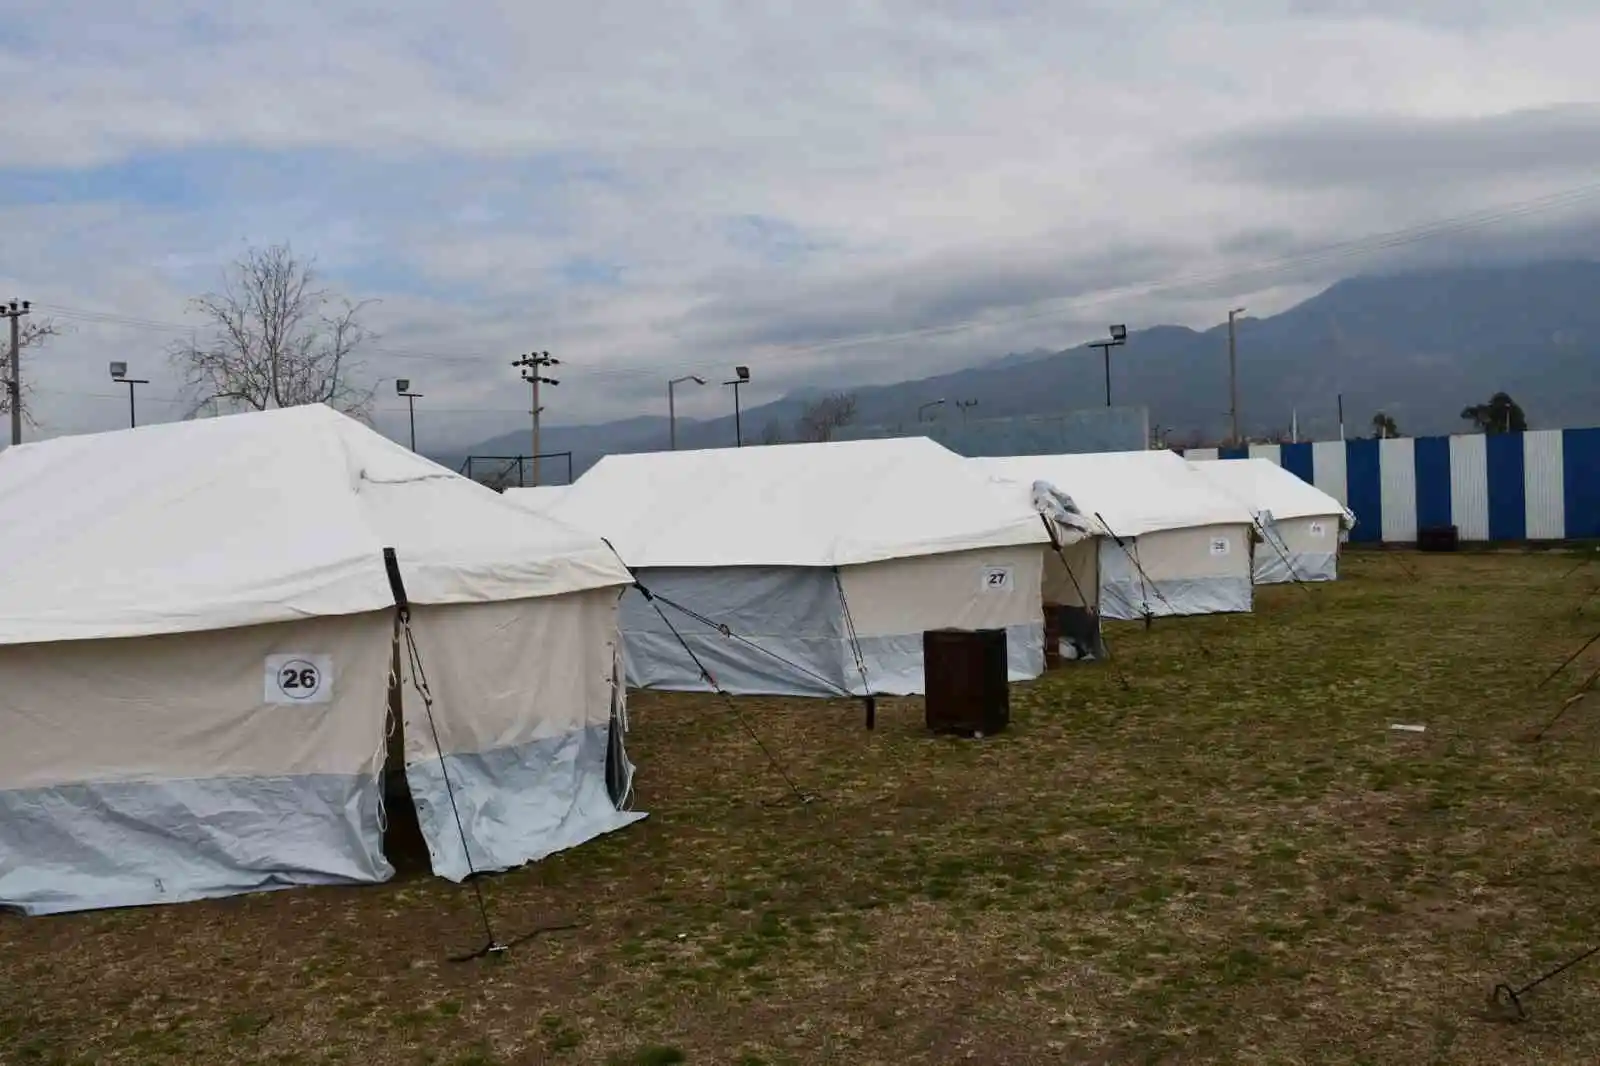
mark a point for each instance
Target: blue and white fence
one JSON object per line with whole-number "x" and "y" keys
{"x": 1540, "y": 485}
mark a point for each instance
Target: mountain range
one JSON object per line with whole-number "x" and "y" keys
{"x": 1418, "y": 346}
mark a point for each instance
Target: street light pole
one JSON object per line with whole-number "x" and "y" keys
{"x": 119, "y": 372}
{"x": 1119, "y": 337}
{"x": 531, "y": 364}
{"x": 402, "y": 386}
{"x": 672, "y": 409}
{"x": 964, "y": 406}
{"x": 1233, "y": 372}
{"x": 931, "y": 403}
{"x": 741, "y": 376}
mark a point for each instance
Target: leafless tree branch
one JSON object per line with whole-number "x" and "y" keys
{"x": 276, "y": 339}
{"x": 821, "y": 418}
{"x": 33, "y": 334}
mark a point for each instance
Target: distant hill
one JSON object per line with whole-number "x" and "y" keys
{"x": 1420, "y": 346}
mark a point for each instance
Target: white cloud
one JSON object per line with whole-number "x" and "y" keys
{"x": 1017, "y": 172}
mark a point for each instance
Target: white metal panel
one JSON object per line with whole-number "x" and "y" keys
{"x": 1328, "y": 470}
{"x": 1397, "y": 473}
{"x": 1274, "y": 452}
{"x": 1199, "y": 454}
{"x": 1469, "y": 486}
{"x": 1543, "y": 478}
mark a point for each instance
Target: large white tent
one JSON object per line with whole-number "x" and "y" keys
{"x": 1174, "y": 544}
{"x": 538, "y": 497}
{"x": 197, "y": 630}
{"x": 1300, "y": 525}
{"x": 807, "y": 554}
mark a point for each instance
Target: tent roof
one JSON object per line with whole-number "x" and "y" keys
{"x": 1132, "y": 493}
{"x": 255, "y": 518}
{"x": 1262, "y": 485}
{"x": 537, "y": 498}
{"x": 835, "y": 504}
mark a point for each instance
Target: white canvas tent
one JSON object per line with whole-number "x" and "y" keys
{"x": 197, "y": 627}
{"x": 807, "y": 553}
{"x": 537, "y": 498}
{"x": 1299, "y": 524}
{"x": 1174, "y": 544}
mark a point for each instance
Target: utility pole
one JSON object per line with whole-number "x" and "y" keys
{"x": 1233, "y": 372}
{"x": 15, "y": 312}
{"x": 531, "y": 364}
{"x": 964, "y": 406}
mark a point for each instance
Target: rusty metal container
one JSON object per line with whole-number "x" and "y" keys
{"x": 965, "y": 681}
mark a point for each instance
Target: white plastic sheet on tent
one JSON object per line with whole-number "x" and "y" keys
{"x": 538, "y": 497}
{"x": 790, "y": 546}
{"x": 196, "y": 629}
{"x": 1174, "y": 544}
{"x": 1300, "y": 525}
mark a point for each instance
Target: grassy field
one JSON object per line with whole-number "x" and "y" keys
{"x": 1233, "y": 860}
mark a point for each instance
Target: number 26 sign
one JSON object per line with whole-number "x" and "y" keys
{"x": 299, "y": 678}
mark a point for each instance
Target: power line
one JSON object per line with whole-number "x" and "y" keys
{"x": 1055, "y": 307}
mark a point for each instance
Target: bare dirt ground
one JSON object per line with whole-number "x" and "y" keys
{"x": 1232, "y": 860}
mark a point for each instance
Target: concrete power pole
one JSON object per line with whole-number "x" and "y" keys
{"x": 1233, "y": 372}
{"x": 15, "y": 312}
{"x": 531, "y": 364}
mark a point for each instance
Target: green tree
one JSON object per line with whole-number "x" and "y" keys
{"x": 1383, "y": 426}
{"x": 1501, "y": 414}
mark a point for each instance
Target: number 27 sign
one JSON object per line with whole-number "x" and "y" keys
{"x": 299, "y": 678}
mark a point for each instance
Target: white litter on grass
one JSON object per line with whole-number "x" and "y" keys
{"x": 1399, "y": 728}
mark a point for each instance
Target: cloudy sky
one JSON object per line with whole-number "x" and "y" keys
{"x": 828, "y": 192}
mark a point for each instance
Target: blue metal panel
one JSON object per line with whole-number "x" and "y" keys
{"x": 1508, "y": 492}
{"x": 1297, "y": 460}
{"x": 1242, "y": 452}
{"x": 1580, "y": 456}
{"x": 1433, "y": 481}
{"x": 1364, "y": 484}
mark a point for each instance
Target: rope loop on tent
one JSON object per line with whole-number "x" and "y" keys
{"x": 855, "y": 648}
{"x": 655, "y": 601}
{"x": 1061, "y": 553}
{"x": 1266, "y": 537}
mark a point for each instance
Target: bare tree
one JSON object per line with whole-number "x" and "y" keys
{"x": 33, "y": 334}
{"x": 772, "y": 434}
{"x": 820, "y": 418}
{"x": 277, "y": 340}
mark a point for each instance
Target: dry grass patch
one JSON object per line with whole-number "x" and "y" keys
{"x": 1234, "y": 860}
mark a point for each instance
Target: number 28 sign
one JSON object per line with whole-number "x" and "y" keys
{"x": 299, "y": 678}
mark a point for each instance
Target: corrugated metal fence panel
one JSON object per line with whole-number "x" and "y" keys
{"x": 1580, "y": 469}
{"x": 1543, "y": 484}
{"x": 1199, "y": 455}
{"x": 1469, "y": 487}
{"x": 1433, "y": 481}
{"x": 1235, "y": 452}
{"x": 1508, "y": 490}
{"x": 1267, "y": 451}
{"x": 1328, "y": 470}
{"x": 1297, "y": 460}
{"x": 1397, "y": 468}
{"x": 1364, "y": 482}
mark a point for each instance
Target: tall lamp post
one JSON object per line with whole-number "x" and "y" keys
{"x": 672, "y": 409}
{"x": 741, "y": 376}
{"x": 964, "y": 406}
{"x": 402, "y": 386}
{"x": 531, "y": 364}
{"x": 119, "y": 372}
{"x": 1233, "y": 372}
{"x": 1119, "y": 337}
{"x": 931, "y": 403}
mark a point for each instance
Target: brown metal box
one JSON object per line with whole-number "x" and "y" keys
{"x": 965, "y": 681}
